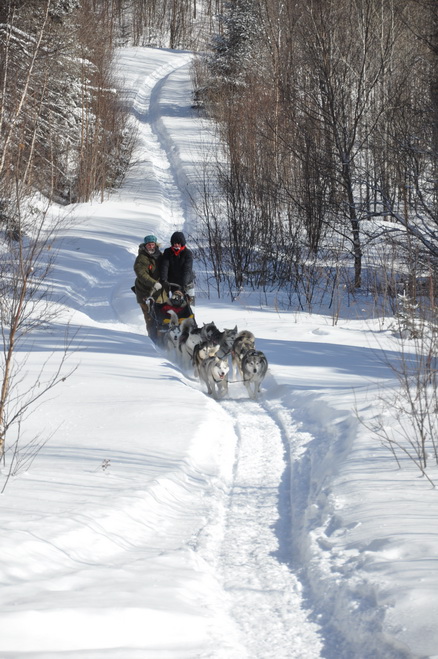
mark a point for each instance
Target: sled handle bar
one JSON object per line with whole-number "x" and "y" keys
{"x": 174, "y": 287}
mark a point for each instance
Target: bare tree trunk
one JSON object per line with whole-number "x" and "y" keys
{"x": 23, "y": 97}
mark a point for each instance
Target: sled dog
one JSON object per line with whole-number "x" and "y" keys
{"x": 226, "y": 340}
{"x": 210, "y": 331}
{"x": 191, "y": 335}
{"x": 244, "y": 341}
{"x": 254, "y": 366}
{"x": 171, "y": 336}
{"x": 202, "y": 351}
{"x": 165, "y": 332}
{"x": 213, "y": 371}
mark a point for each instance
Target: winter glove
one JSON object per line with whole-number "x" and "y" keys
{"x": 166, "y": 286}
{"x": 157, "y": 287}
{"x": 190, "y": 294}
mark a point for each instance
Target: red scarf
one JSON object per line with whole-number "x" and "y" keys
{"x": 177, "y": 250}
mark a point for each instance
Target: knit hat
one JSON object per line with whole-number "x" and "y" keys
{"x": 150, "y": 239}
{"x": 178, "y": 237}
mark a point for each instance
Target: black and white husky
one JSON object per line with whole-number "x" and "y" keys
{"x": 191, "y": 335}
{"x": 202, "y": 351}
{"x": 254, "y": 366}
{"x": 213, "y": 371}
{"x": 244, "y": 341}
{"x": 226, "y": 340}
{"x": 171, "y": 336}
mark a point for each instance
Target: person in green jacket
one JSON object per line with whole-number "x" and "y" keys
{"x": 147, "y": 284}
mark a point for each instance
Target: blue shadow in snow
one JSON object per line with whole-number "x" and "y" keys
{"x": 88, "y": 339}
{"x": 343, "y": 359}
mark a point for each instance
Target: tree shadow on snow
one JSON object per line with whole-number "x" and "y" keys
{"x": 342, "y": 360}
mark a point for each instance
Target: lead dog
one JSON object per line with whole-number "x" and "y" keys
{"x": 254, "y": 366}
{"x": 244, "y": 341}
{"x": 213, "y": 371}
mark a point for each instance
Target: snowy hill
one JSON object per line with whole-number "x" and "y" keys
{"x": 157, "y": 523}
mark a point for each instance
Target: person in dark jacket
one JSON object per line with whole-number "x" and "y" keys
{"x": 147, "y": 284}
{"x": 177, "y": 266}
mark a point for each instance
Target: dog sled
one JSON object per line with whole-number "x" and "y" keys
{"x": 170, "y": 313}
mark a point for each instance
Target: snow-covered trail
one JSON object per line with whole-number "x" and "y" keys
{"x": 157, "y": 101}
{"x": 250, "y": 554}
{"x": 255, "y": 561}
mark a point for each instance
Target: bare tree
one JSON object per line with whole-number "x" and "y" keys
{"x": 407, "y": 423}
{"x": 25, "y": 308}
{"x": 62, "y": 127}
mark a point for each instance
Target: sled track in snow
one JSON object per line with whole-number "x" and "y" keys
{"x": 156, "y": 153}
{"x": 264, "y": 593}
{"x": 252, "y": 553}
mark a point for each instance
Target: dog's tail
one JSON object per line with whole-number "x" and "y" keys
{"x": 188, "y": 324}
{"x": 186, "y": 327}
{"x": 174, "y": 322}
